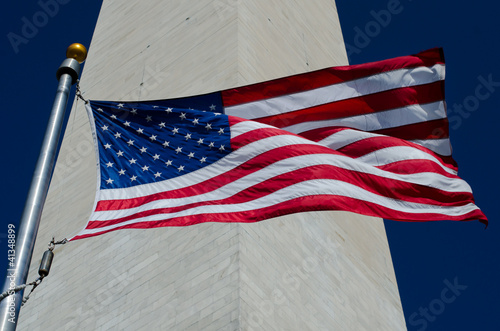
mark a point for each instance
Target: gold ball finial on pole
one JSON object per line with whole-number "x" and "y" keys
{"x": 77, "y": 51}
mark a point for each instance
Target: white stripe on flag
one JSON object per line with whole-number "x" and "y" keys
{"x": 439, "y": 146}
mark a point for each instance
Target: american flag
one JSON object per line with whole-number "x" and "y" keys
{"x": 371, "y": 139}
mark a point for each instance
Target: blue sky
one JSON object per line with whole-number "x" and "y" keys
{"x": 447, "y": 272}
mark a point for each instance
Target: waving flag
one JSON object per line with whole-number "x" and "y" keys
{"x": 370, "y": 139}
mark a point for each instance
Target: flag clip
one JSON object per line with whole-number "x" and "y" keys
{"x": 79, "y": 92}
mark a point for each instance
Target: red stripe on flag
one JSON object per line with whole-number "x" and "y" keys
{"x": 415, "y": 166}
{"x": 436, "y": 129}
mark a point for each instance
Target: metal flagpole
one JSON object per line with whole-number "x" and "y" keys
{"x": 67, "y": 74}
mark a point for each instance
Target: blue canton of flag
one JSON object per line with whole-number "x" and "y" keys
{"x": 146, "y": 143}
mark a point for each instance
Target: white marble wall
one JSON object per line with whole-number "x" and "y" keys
{"x": 310, "y": 271}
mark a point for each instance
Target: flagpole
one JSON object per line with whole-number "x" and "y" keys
{"x": 25, "y": 235}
